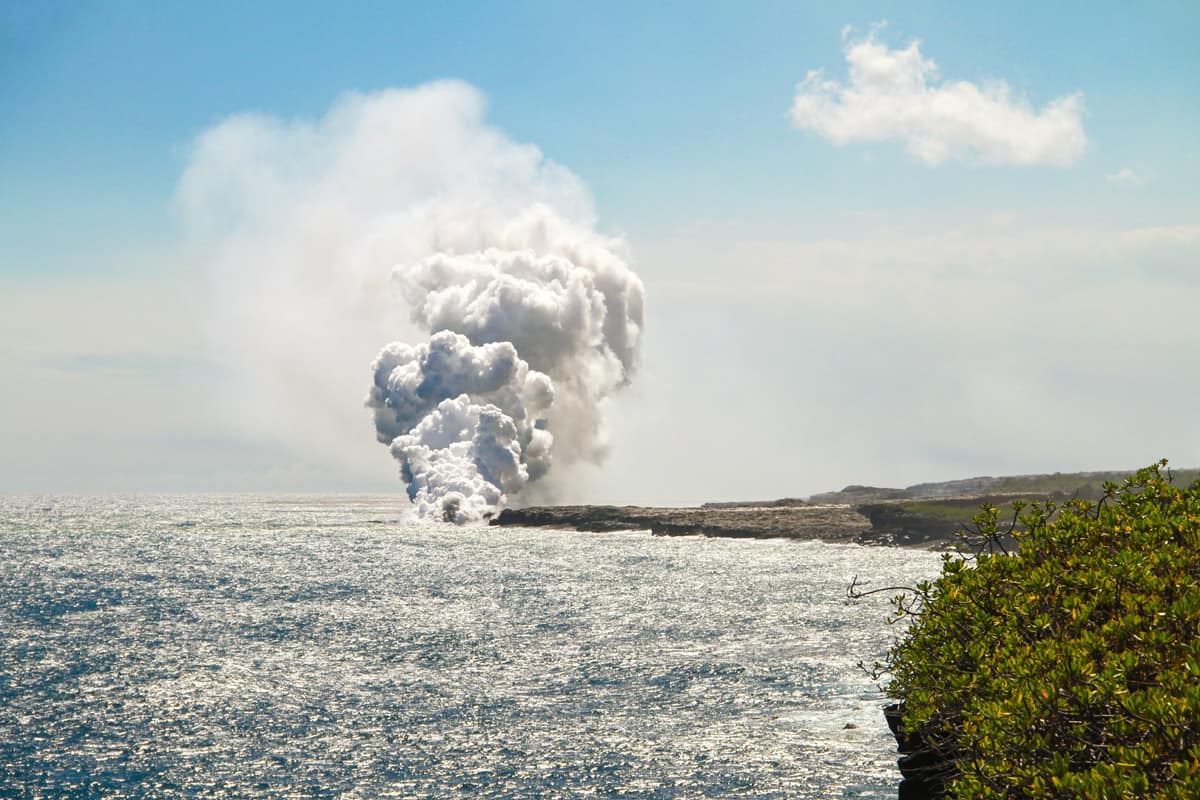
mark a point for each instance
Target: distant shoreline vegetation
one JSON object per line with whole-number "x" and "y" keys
{"x": 1068, "y": 667}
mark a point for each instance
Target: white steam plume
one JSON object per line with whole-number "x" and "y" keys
{"x": 466, "y": 423}
{"x": 303, "y": 224}
{"x": 546, "y": 321}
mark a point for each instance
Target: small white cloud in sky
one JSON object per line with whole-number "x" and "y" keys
{"x": 1126, "y": 177}
{"x": 898, "y": 95}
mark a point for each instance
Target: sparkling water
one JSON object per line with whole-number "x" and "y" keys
{"x": 330, "y": 646}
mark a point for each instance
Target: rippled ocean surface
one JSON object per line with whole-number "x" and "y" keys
{"x": 305, "y": 646}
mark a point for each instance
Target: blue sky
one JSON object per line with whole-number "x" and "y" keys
{"x": 670, "y": 111}
{"x": 676, "y": 117}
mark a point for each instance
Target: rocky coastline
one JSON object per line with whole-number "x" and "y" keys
{"x": 923, "y": 515}
{"x": 823, "y": 522}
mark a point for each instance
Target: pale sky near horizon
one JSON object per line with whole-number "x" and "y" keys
{"x": 881, "y": 242}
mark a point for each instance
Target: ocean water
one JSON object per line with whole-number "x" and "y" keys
{"x": 303, "y": 646}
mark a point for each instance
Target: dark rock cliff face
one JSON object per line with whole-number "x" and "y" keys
{"x": 925, "y": 770}
{"x": 908, "y": 526}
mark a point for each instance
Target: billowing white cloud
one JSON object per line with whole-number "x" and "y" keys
{"x": 896, "y": 94}
{"x": 402, "y": 217}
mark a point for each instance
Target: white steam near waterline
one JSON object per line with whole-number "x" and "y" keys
{"x": 531, "y": 334}
{"x": 401, "y": 215}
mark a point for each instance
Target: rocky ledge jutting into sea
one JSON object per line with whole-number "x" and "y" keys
{"x": 926, "y": 514}
{"x": 795, "y": 520}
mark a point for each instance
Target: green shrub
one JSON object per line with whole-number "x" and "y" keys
{"x": 1070, "y": 668}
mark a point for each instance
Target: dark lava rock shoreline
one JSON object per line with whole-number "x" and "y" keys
{"x": 922, "y": 515}
{"x": 795, "y": 520}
